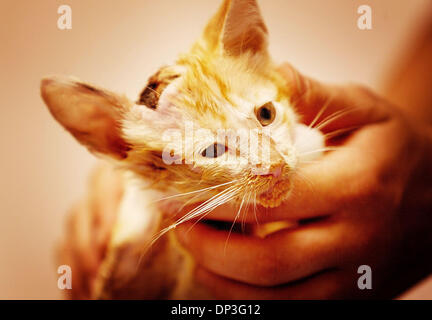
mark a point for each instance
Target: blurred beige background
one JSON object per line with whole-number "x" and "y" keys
{"x": 118, "y": 44}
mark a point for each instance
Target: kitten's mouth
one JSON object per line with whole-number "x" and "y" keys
{"x": 277, "y": 190}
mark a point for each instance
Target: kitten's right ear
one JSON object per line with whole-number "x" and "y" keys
{"x": 237, "y": 28}
{"x": 90, "y": 114}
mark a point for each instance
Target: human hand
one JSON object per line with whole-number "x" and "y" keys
{"x": 89, "y": 228}
{"x": 364, "y": 204}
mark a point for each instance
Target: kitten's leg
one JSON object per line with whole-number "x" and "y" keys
{"x": 131, "y": 269}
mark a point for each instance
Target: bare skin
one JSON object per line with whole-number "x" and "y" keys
{"x": 88, "y": 229}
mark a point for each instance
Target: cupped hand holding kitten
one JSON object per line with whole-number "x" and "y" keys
{"x": 365, "y": 203}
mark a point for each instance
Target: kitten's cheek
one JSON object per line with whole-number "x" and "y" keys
{"x": 308, "y": 142}
{"x": 195, "y": 169}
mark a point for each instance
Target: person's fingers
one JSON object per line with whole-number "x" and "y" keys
{"x": 279, "y": 258}
{"x": 331, "y": 107}
{"x": 253, "y": 214}
{"x": 80, "y": 237}
{"x": 105, "y": 193}
{"x": 106, "y": 190}
{"x": 330, "y": 284}
{"x": 364, "y": 169}
{"x": 77, "y": 252}
{"x": 66, "y": 256}
{"x": 89, "y": 227}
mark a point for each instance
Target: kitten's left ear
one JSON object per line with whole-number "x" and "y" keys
{"x": 237, "y": 27}
{"x": 92, "y": 115}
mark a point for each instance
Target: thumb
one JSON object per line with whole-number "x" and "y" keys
{"x": 331, "y": 107}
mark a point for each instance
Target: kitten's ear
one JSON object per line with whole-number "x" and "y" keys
{"x": 237, "y": 27}
{"x": 90, "y": 114}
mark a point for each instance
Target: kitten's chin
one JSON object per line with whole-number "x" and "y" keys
{"x": 274, "y": 196}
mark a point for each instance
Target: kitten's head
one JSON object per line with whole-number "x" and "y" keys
{"x": 218, "y": 119}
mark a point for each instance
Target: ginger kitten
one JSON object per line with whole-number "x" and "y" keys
{"x": 216, "y": 126}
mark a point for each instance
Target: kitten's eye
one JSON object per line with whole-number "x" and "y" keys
{"x": 215, "y": 150}
{"x": 266, "y": 114}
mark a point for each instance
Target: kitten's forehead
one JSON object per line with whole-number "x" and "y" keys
{"x": 213, "y": 91}
{"x": 156, "y": 84}
{"x": 214, "y": 82}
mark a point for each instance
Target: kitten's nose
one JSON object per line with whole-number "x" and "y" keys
{"x": 275, "y": 170}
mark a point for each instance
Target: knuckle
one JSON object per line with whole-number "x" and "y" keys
{"x": 380, "y": 190}
{"x": 362, "y": 91}
{"x": 267, "y": 270}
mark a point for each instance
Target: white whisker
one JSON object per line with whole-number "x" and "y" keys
{"x": 339, "y": 131}
{"x": 319, "y": 114}
{"x": 190, "y": 215}
{"x": 207, "y": 204}
{"x": 334, "y": 116}
{"x": 220, "y": 202}
{"x": 320, "y": 150}
{"x": 196, "y": 191}
{"x": 243, "y": 225}
{"x": 232, "y": 226}
{"x": 255, "y": 207}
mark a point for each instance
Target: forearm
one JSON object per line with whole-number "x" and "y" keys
{"x": 409, "y": 83}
